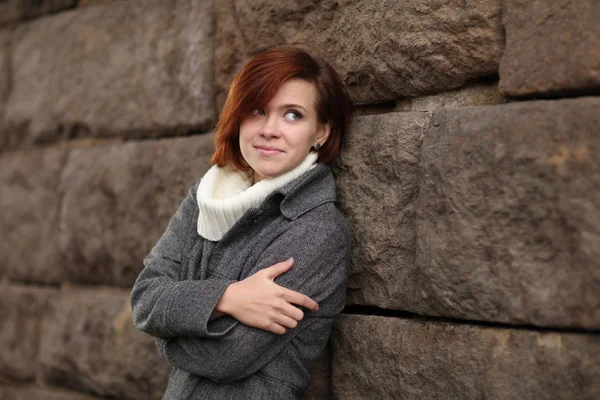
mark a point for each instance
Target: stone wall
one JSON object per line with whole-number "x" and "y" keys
{"x": 471, "y": 180}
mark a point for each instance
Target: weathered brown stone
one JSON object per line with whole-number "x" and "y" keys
{"x": 125, "y": 68}
{"x": 81, "y": 3}
{"x": 508, "y": 219}
{"x": 91, "y": 214}
{"x": 40, "y": 393}
{"x": 373, "y": 109}
{"x": 377, "y": 177}
{"x": 29, "y": 212}
{"x": 392, "y": 358}
{"x": 320, "y": 387}
{"x": 382, "y": 50}
{"x": 552, "y": 47}
{"x": 4, "y": 69}
{"x": 481, "y": 94}
{"x": 90, "y": 345}
{"x": 21, "y": 312}
{"x": 13, "y": 11}
{"x": 118, "y": 200}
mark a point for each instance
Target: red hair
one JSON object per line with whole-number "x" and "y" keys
{"x": 256, "y": 84}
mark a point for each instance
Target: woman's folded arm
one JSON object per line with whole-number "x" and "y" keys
{"x": 320, "y": 272}
{"x": 165, "y": 306}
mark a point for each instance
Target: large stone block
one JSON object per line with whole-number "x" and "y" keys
{"x": 125, "y": 68}
{"x": 40, "y": 393}
{"x": 377, "y": 177}
{"x": 14, "y": 11}
{"x": 90, "y": 214}
{"x": 508, "y": 217}
{"x": 381, "y": 49}
{"x": 552, "y": 47}
{"x": 90, "y": 345}
{"x": 21, "y": 311}
{"x": 118, "y": 200}
{"x": 392, "y": 358}
{"x": 480, "y": 94}
{"x": 29, "y": 215}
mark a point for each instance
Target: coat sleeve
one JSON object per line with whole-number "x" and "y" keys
{"x": 163, "y": 305}
{"x": 321, "y": 253}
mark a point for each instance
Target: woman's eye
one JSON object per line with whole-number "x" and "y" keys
{"x": 293, "y": 115}
{"x": 258, "y": 111}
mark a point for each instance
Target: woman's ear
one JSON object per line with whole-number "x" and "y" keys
{"x": 323, "y": 133}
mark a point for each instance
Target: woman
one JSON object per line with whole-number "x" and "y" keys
{"x": 241, "y": 290}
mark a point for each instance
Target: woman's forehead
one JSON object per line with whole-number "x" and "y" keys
{"x": 294, "y": 92}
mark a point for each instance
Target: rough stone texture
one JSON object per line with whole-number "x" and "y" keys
{"x": 14, "y": 11}
{"x": 373, "y": 109}
{"x": 29, "y": 211}
{"x": 21, "y": 312}
{"x": 81, "y": 3}
{"x": 40, "y": 393}
{"x": 320, "y": 387}
{"x": 552, "y": 47}
{"x": 118, "y": 200}
{"x": 382, "y": 49}
{"x": 125, "y": 68}
{"x": 481, "y": 94}
{"x": 508, "y": 219}
{"x": 90, "y": 214}
{"x": 392, "y": 358}
{"x": 4, "y": 69}
{"x": 90, "y": 345}
{"x": 377, "y": 177}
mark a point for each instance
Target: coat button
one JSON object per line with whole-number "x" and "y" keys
{"x": 256, "y": 217}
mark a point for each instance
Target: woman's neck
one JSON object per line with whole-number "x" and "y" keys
{"x": 256, "y": 178}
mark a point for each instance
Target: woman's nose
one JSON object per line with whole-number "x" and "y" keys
{"x": 270, "y": 128}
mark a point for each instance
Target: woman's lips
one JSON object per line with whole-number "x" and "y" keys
{"x": 267, "y": 151}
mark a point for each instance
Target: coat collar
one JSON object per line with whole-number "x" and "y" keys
{"x": 312, "y": 189}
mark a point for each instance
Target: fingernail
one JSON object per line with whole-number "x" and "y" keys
{"x": 290, "y": 259}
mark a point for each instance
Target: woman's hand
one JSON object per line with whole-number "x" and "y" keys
{"x": 259, "y": 302}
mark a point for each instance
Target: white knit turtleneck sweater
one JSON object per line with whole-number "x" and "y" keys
{"x": 225, "y": 194}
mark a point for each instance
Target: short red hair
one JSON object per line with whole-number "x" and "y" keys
{"x": 256, "y": 84}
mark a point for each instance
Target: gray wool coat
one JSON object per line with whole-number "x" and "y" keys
{"x": 185, "y": 275}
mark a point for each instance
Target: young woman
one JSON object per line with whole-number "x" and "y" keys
{"x": 241, "y": 290}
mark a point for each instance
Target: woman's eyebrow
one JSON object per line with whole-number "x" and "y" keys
{"x": 291, "y": 105}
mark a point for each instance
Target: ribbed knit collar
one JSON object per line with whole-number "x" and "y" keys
{"x": 225, "y": 194}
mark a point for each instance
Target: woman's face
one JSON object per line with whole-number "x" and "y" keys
{"x": 277, "y": 138}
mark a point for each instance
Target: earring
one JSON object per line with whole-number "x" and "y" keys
{"x": 317, "y": 146}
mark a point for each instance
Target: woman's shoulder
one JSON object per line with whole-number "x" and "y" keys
{"x": 327, "y": 214}
{"x": 311, "y": 203}
{"x": 325, "y": 221}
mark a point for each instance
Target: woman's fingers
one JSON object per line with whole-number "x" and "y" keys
{"x": 285, "y": 321}
{"x": 298, "y": 298}
{"x": 292, "y": 312}
{"x": 289, "y": 295}
{"x": 272, "y": 327}
{"x": 275, "y": 270}
{"x": 260, "y": 302}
